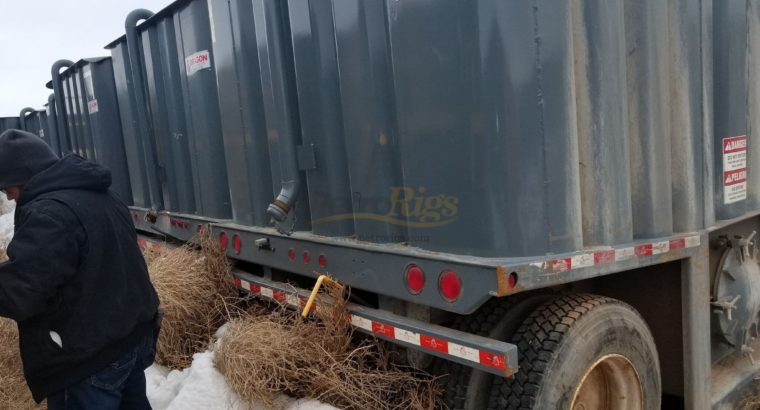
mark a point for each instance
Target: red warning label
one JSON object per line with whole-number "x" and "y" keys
{"x": 734, "y": 144}
{"x": 735, "y": 177}
{"x": 734, "y": 169}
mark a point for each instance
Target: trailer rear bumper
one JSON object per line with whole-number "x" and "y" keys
{"x": 481, "y": 353}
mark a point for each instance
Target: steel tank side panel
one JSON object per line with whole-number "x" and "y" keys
{"x": 155, "y": 117}
{"x": 730, "y": 91}
{"x": 753, "y": 104}
{"x": 108, "y": 141}
{"x": 71, "y": 114}
{"x": 279, "y": 98}
{"x": 61, "y": 122}
{"x": 646, "y": 25}
{"x": 44, "y": 132}
{"x": 368, "y": 112}
{"x": 73, "y": 144}
{"x": 202, "y": 111}
{"x": 81, "y": 125}
{"x": 317, "y": 83}
{"x": 28, "y": 121}
{"x": 599, "y": 46}
{"x": 477, "y": 109}
{"x": 76, "y": 112}
{"x": 708, "y": 119}
{"x": 9, "y": 123}
{"x": 167, "y": 116}
{"x": 52, "y": 128}
{"x": 178, "y": 149}
{"x": 153, "y": 160}
{"x": 557, "y": 105}
{"x": 687, "y": 131}
{"x": 127, "y": 112}
{"x": 442, "y": 132}
{"x": 85, "y": 125}
{"x": 241, "y": 108}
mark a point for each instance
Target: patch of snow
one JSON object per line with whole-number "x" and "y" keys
{"x": 6, "y": 206}
{"x": 7, "y": 210}
{"x": 201, "y": 386}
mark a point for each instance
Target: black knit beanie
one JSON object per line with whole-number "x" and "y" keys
{"x": 22, "y": 156}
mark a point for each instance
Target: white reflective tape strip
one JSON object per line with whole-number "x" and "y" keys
{"x": 660, "y": 247}
{"x": 408, "y": 337}
{"x": 464, "y": 352}
{"x": 361, "y": 323}
{"x": 623, "y": 254}
{"x": 267, "y": 292}
{"x": 692, "y": 241}
{"x": 582, "y": 261}
{"x": 245, "y": 285}
{"x": 292, "y": 300}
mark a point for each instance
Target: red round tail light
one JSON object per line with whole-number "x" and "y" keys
{"x": 292, "y": 254}
{"x": 415, "y": 279}
{"x": 322, "y": 261}
{"x": 237, "y": 244}
{"x": 223, "y": 241}
{"x": 512, "y": 282}
{"x": 306, "y": 257}
{"x": 450, "y": 285}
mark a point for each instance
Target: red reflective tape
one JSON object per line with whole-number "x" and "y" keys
{"x": 603, "y": 257}
{"x": 279, "y": 296}
{"x": 142, "y": 243}
{"x": 313, "y": 307}
{"x": 677, "y": 244}
{"x": 385, "y": 330}
{"x": 560, "y": 265}
{"x": 238, "y": 282}
{"x": 493, "y": 360}
{"x": 644, "y": 250}
{"x": 254, "y": 288}
{"x": 434, "y": 344}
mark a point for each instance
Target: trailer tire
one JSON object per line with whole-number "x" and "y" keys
{"x": 464, "y": 387}
{"x": 582, "y": 352}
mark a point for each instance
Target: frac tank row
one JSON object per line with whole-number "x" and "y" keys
{"x": 485, "y": 127}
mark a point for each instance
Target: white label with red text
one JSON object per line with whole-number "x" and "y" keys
{"x": 197, "y": 61}
{"x": 92, "y": 106}
{"x": 734, "y": 169}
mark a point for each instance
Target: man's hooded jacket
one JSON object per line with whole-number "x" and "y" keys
{"x": 76, "y": 282}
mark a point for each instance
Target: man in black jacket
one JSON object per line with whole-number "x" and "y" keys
{"x": 76, "y": 282}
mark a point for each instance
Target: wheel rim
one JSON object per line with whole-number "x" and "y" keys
{"x": 611, "y": 383}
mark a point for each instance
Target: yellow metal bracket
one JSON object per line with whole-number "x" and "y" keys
{"x": 315, "y": 291}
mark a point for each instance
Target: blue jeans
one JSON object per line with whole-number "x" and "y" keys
{"x": 121, "y": 385}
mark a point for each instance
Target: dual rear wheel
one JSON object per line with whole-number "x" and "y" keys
{"x": 578, "y": 352}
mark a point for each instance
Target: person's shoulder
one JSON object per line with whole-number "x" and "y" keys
{"x": 53, "y": 208}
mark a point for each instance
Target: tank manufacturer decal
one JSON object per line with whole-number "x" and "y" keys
{"x": 92, "y": 106}
{"x": 197, "y": 61}
{"x": 734, "y": 169}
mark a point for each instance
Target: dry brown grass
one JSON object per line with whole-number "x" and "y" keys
{"x": 193, "y": 286}
{"x": 752, "y": 402}
{"x": 14, "y": 393}
{"x": 264, "y": 355}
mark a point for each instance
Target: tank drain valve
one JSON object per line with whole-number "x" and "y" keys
{"x": 726, "y": 306}
{"x": 745, "y": 244}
